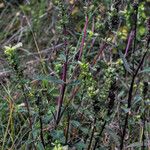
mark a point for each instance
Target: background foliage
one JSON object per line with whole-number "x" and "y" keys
{"x": 74, "y": 74}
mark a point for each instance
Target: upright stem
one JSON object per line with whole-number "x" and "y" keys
{"x": 8, "y": 124}
{"x": 98, "y": 138}
{"x": 92, "y": 134}
{"x": 68, "y": 125}
{"x": 130, "y": 100}
{"x": 143, "y": 135}
{"x": 145, "y": 91}
{"x": 63, "y": 86}
{"x": 41, "y": 131}
{"x": 74, "y": 92}
{"x": 135, "y": 29}
{"x": 39, "y": 100}
{"x": 28, "y": 110}
{"x": 83, "y": 38}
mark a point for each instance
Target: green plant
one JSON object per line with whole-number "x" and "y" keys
{"x": 80, "y": 78}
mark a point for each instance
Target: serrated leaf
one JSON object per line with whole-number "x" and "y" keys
{"x": 75, "y": 123}
{"x": 80, "y": 145}
{"x": 52, "y": 79}
{"x": 58, "y": 135}
{"x": 125, "y": 63}
{"x": 84, "y": 130}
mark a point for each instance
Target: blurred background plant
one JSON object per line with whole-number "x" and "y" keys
{"x": 68, "y": 70}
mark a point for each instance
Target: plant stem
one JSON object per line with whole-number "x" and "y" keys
{"x": 143, "y": 135}
{"x": 92, "y": 134}
{"x": 83, "y": 38}
{"x": 111, "y": 97}
{"x": 7, "y": 128}
{"x": 98, "y": 138}
{"x": 135, "y": 30}
{"x": 145, "y": 91}
{"x": 68, "y": 125}
{"x": 74, "y": 91}
{"x": 39, "y": 104}
{"x": 41, "y": 132}
{"x": 129, "y": 100}
{"x": 64, "y": 76}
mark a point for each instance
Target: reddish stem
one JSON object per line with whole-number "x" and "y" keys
{"x": 63, "y": 86}
{"x": 130, "y": 39}
{"x": 99, "y": 53}
{"x": 83, "y": 38}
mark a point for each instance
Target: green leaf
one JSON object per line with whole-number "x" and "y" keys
{"x": 84, "y": 130}
{"x": 113, "y": 135}
{"x": 75, "y": 82}
{"x": 146, "y": 70}
{"x": 125, "y": 63}
{"x": 126, "y": 110}
{"x": 40, "y": 146}
{"x": 23, "y": 147}
{"x": 142, "y": 30}
{"x": 62, "y": 57}
{"x": 66, "y": 147}
{"x": 137, "y": 144}
{"x": 52, "y": 79}
{"x": 58, "y": 135}
{"x": 137, "y": 99}
{"x": 75, "y": 123}
{"x": 80, "y": 145}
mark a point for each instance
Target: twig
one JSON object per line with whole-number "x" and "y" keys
{"x": 130, "y": 99}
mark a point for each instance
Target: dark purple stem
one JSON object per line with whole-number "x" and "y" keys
{"x": 102, "y": 47}
{"x": 63, "y": 86}
{"x": 83, "y": 38}
{"x": 130, "y": 100}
